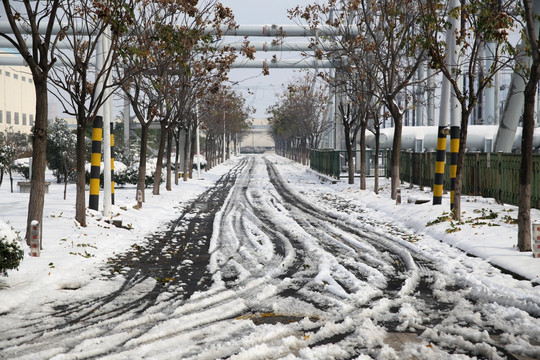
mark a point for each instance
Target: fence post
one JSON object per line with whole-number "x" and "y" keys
{"x": 499, "y": 178}
{"x": 411, "y": 168}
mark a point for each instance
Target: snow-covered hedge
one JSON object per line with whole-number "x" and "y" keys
{"x": 11, "y": 252}
{"x": 124, "y": 175}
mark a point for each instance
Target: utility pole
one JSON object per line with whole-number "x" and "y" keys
{"x": 106, "y": 111}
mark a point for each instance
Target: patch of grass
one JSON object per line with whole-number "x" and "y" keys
{"x": 86, "y": 254}
{"x": 444, "y": 217}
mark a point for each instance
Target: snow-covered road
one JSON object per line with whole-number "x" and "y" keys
{"x": 289, "y": 271}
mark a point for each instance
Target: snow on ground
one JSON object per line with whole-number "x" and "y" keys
{"x": 73, "y": 256}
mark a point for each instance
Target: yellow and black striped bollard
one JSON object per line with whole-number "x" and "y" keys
{"x": 95, "y": 162}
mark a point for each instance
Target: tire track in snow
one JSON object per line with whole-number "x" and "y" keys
{"x": 286, "y": 278}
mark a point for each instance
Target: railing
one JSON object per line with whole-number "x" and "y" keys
{"x": 491, "y": 175}
{"x": 334, "y": 162}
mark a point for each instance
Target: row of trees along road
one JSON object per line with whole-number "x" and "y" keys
{"x": 379, "y": 46}
{"x": 158, "y": 56}
{"x": 224, "y": 115}
{"x": 297, "y": 119}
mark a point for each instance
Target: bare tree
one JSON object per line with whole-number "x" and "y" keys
{"x": 525, "y": 171}
{"x": 221, "y": 113}
{"x": 297, "y": 119}
{"x": 481, "y": 22}
{"x": 38, "y": 18}
{"x": 86, "y": 22}
{"x": 386, "y": 30}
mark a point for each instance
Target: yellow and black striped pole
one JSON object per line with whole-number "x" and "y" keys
{"x": 439, "y": 165}
{"x": 95, "y": 162}
{"x": 112, "y": 164}
{"x": 454, "y": 148}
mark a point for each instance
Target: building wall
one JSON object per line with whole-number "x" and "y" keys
{"x": 17, "y": 99}
{"x": 258, "y": 135}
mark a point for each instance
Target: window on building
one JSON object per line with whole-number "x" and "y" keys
{"x": 8, "y": 117}
{"x": 23, "y": 78}
{"x": 31, "y": 120}
{"x": 16, "y": 117}
{"x": 24, "y": 119}
{"x": 15, "y": 76}
{"x": 0, "y": 71}
{"x": 8, "y": 74}
{"x": 1, "y": 116}
{"x": 30, "y": 80}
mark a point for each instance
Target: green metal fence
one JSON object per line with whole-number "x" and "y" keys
{"x": 334, "y": 162}
{"x": 491, "y": 175}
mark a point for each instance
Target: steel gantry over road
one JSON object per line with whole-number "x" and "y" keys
{"x": 448, "y": 115}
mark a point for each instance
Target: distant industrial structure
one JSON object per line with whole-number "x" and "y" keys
{"x": 258, "y": 139}
{"x": 17, "y": 99}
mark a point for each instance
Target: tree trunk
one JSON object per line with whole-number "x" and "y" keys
{"x": 11, "y": 179}
{"x": 363, "y": 156}
{"x": 168, "y": 185}
{"x": 177, "y": 158}
{"x": 141, "y": 180}
{"x": 80, "y": 194}
{"x": 376, "y": 160}
{"x": 66, "y": 175}
{"x": 39, "y": 146}
{"x": 159, "y": 163}
{"x": 525, "y": 169}
{"x": 396, "y": 154}
{"x": 186, "y": 155}
{"x": 348, "y": 146}
{"x": 459, "y": 168}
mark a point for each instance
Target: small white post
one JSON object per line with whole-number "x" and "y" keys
{"x": 198, "y": 145}
{"x": 536, "y": 240}
{"x": 35, "y": 238}
{"x": 139, "y": 199}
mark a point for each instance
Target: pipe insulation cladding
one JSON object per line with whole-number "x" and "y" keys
{"x": 480, "y": 138}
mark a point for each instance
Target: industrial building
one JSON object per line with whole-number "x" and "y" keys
{"x": 17, "y": 99}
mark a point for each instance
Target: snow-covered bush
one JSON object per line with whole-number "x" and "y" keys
{"x": 11, "y": 252}
{"x": 202, "y": 159}
{"x": 124, "y": 175}
{"x": 22, "y": 166}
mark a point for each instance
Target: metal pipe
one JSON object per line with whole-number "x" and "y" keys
{"x": 246, "y": 64}
{"x": 513, "y": 106}
{"x": 283, "y": 64}
{"x": 268, "y": 30}
{"x": 107, "y": 181}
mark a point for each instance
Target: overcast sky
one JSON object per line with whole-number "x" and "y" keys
{"x": 264, "y": 88}
{"x": 258, "y": 90}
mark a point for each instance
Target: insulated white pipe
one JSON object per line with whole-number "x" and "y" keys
{"x": 16, "y": 60}
{"x": 283, "y": 64}
{"x": 489, "y": 92}
{"x": 453, "y": 61}
{"x": 431, "y": 97}
{"x": 513, "y": 106}
{"x": 268, "y": 30}
{"x": 107, "y": 186}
